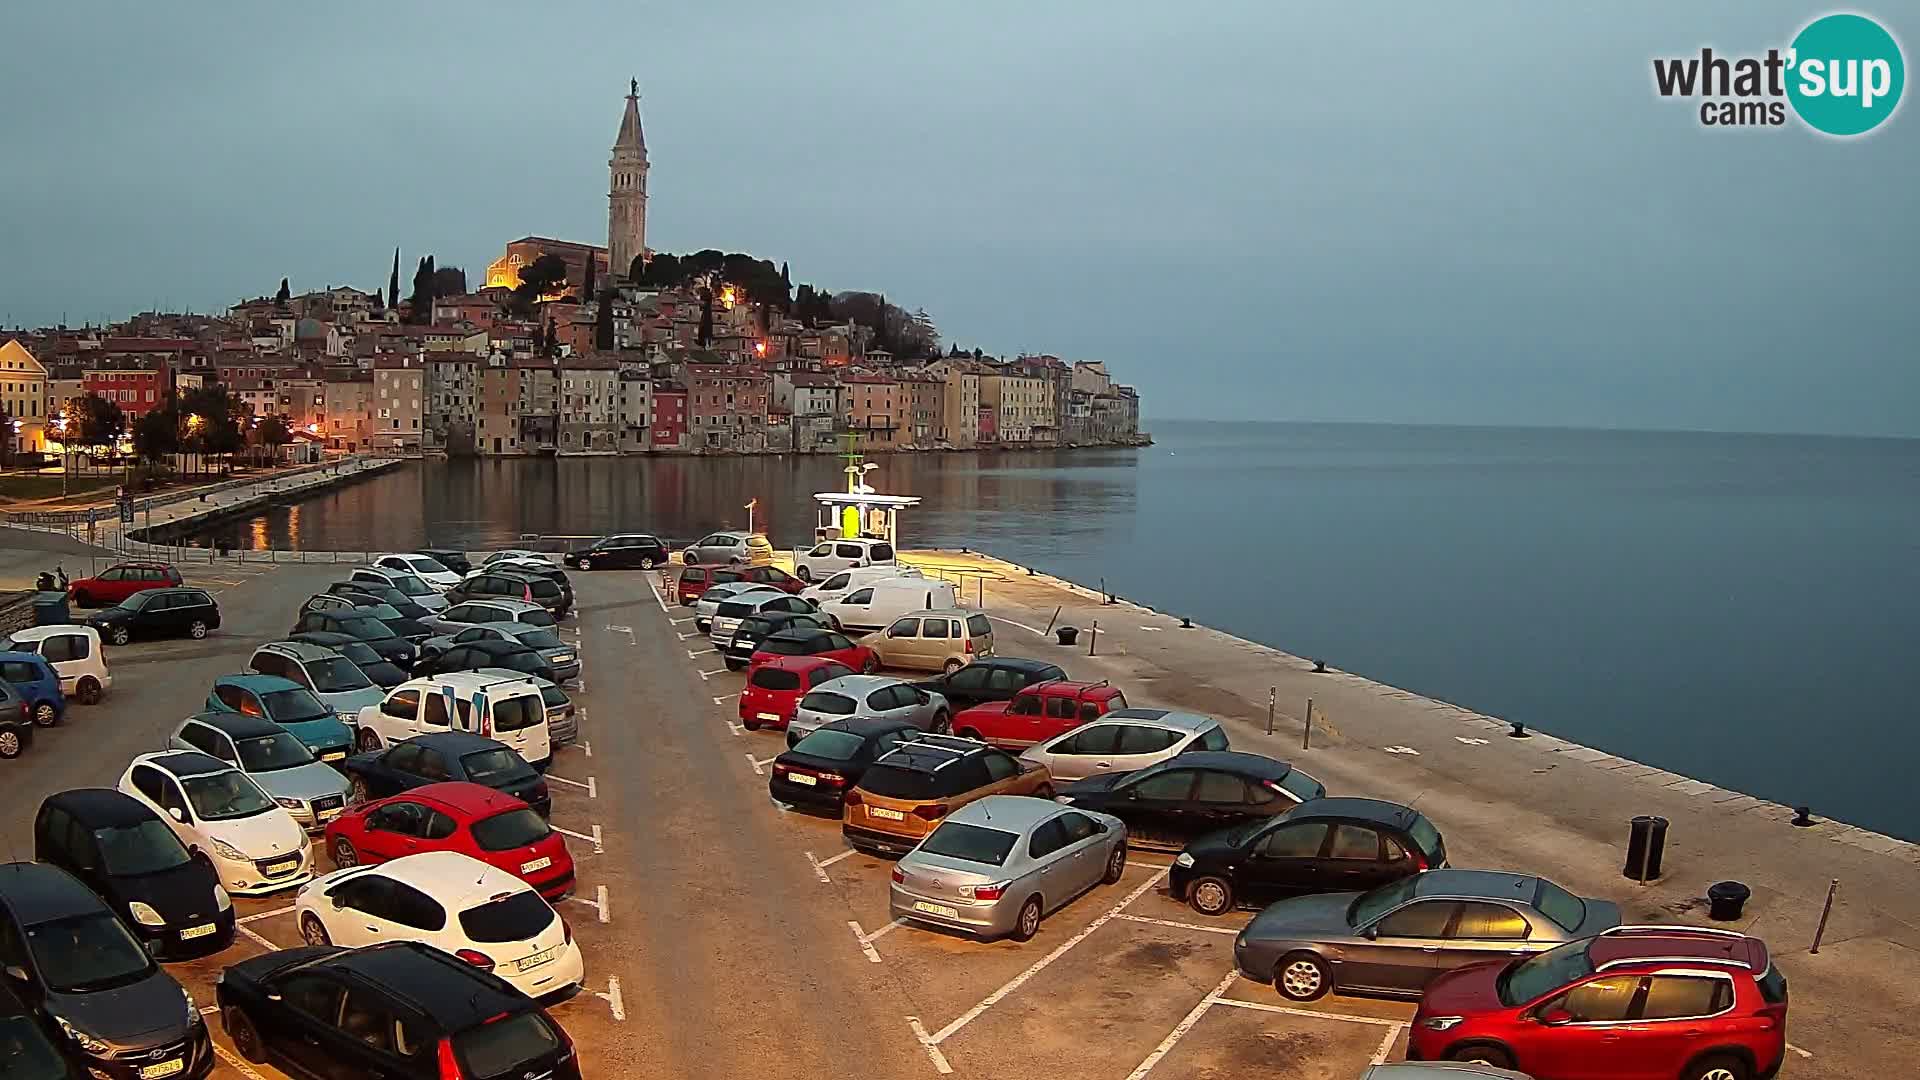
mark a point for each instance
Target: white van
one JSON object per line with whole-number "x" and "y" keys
{"x": 508, "y": 708}
{"x": 879, "y": 603}
{"x": 839, "y": 583}
{"x": 831, "y": 556}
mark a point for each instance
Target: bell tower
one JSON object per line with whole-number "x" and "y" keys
{"x": 627, "y": 189}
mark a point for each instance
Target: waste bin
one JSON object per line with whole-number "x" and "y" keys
{"x": 1725, "y": 899}
{"x": 1066, "y": 634}
{"x": 1646, "y": 844}
{"x": 50, "y": 609}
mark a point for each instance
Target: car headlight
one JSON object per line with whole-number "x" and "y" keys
{"x": 1063, "y": 800}
{"x": 226, "y": 850}
{"x": 81, "y": 1039}
{"x": 1441, "y": 1023}
{"x": 193, "y": 1011}
{"x": 291, "y": 804}
{"x": 144, "y": 914}
{"x": 1184, "y": 859}
{"x": 220, "y": 898}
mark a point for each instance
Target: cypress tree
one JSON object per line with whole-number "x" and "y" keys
{"x": 706, "y": 318}
{"x": 393, "y": 282}
{"x": 593, "y": 264}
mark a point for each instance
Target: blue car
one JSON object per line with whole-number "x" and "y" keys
{"x": 36, "y": 681}
{"x": 288, "y": 704}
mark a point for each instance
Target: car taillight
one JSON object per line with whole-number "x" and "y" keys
{"x": 566, "y": 931}
{"x": 539, "y": 792}
{"x": 852, "y": 798}
{"x": 477, "y": 959}
{"x": 26, "y": 711}
{"x": 899, "y": 876}
{"x": 1419, "y": 862}
{"x": 988, "y": 892}
{"x": 969, "y": 645}
{"x": 831, "y": 778}
{"x": 781, "y": 770}
{"x": 449, "y": 1065}
{"x": 932, "y": 812}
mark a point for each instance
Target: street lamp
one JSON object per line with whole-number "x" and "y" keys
{"x": 751, "y": 503}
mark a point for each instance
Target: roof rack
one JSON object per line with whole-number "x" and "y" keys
{"x": 1630, "y": 961}
{"x": 1657, "y": 928}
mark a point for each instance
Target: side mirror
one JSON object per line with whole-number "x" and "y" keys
{"x": 175, "y": 813}
{"x": 1556, "y": 1017}
{"x": 337, "y": 901}
{"x": 1133, "y": 794}
{"x": 1371, "y": 933}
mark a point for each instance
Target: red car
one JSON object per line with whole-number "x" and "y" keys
{"x": 1634, "y": 1003}
{"x": 121, "y": 580}
{"x": 695, "y": 579}
{"x": 492, "y": 826}
{"x": 1038, "y": 713}
{"x": 812, "y": 641}
{"x": 775, "y": 686}
{"x": 771, "y": 575}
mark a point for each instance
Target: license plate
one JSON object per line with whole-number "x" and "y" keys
{"x": 192, "y": 932}
{"x": 164, "y": 1068}
{"x": 936, "y": 909}
{"x": 537, "y": 864}
{"x": 803, "y": 778}
{"x": 337, "y": 755}
{"x": 563, "y": 658}
{"x": 282, "y": 866}
{"x": 534, "y": 961}
{"x": 771, "y": 718}
{"x": 327, "y": 815}
{"x": 883, "y": 812}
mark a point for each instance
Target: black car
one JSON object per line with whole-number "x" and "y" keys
{"x": 991, "y": 678}
{"x": 413, "y": 630}
{"x": 1168, "y": 804}
{"x": 368, "y": 594}
{"x": 361, "y": 624}
{"x": 760, "y": 626}
{"x": 121, "y": 850}
{"x": 1323, "y": 845}
{"x": 626, "y": 551}
{"x": 455, "y": 561}
{"x": 25, "y": 1049}
{"x": 157, "y": 613}
{"x": 488, "y": 653}
{"x": 447, "y": 755}
{"x": 401, "y": 1010}
{"x": 826, "y": 764}
{"x": 539, "y": 570}
{"x": 16, "y": 722}
{"x": 512, "y": 584}
{"x": 94, "y": 989}
{"x": 376, "y": 667}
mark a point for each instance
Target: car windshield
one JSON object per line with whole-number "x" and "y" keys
{"x": 1543, "y": 974}
{"x": 734, "y": 609}
{"x": 495, "y": 765}
{"x": 1560, "y": 905}
{"x": 423, "y": 565}
{"x": 89, "y": 952}
{"x": 832, "y": 704}
{"x": 269, "y": 753}
{"x": 957, "y": 840}
{"x": 543, "y": 588}
{"x": 753, "y": 628}
{"x": 295, "y": 706}
{"x": 773, "y": 678}
{"x": 1370, "y": 906}
{"x": 133, "y": 850}
{"x": 553, "y": 697}
{"x": 408, "y": 585}
{"x": 498, "y": 1049}
{"x": 513, "y": 829}
{"x": 540, "y": 639}
{"x": 28, "y": 1054}
{"x": 367, "y": 629}
{"x": 830, "y": 745}
{"x": 223, "y": 796}
{"x": 357, "y": 651}
{"x": 336, "y": 675}
{"x": 518, "y": 916}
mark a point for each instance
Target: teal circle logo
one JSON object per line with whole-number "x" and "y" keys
{"x": 1846, "y": 74}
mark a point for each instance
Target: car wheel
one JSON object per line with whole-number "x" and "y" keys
{"x": 689, "y": 557}
{"x": 1028, "y": 924}
{"x": 870, "y": 665}
{"x": 1211, "y": 896}
{"x": 245, "y": 1038}
{"x": 343, "y": 853}
{"x": 951, "y": 666}
{"x": 833, "y": 621}
{"x": 1302, "y": 977}
{"x": 82, "y": 599}
{"x": 750, "y": 723}
{"x": 312, "y": 932}
{"x": 88, "y": 691}
{"x": 586, "y": 564}
{"x": 359, "y": 793}
{"x": 1717, "y": 1067}
{"x": 803, "y": 574}
{"x": 646, "y": 562}
{"x": 9, "y": 744}
{"x": 369, "y": 742}
{"x": 942, "y": 723}
{"x": 1116, "y": 864}
{"x": 1044, "y": 791}
{"x": 736, "y": 665}
{"x": 1484, "y": 1054}
{"x": 45, "y": 714}
{"x": 120, "y": 635}
{"x": 198, "y": 629}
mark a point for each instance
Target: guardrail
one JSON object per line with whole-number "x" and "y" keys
{"x": 342, "y": 466}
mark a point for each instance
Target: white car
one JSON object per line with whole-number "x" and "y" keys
{"x": 76, "y": 656}
{"x": 513, "y": 555}
{"x": 424, "y": 567}
{"x": 454, "y": 902}
{"x": 504, "y": 706}
{"x": 854, "y": 578}
{"x": 829, "y": 557}
{"x": 410, "y": 585}
{"x": 254, "y": 843}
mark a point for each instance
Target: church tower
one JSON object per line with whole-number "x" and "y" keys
{"x": 627, "y": 190}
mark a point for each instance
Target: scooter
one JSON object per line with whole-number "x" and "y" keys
{"x": 46, "y": 582}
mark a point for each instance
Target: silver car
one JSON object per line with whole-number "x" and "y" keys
{"x": 272, "y": 758}
{"x": 563, "y": 658}
{"x": 491, "y": 609}
{"x": 1125, "y": 740}
{"x": 337, "y": 681}
{"x": 998, "y": 865}
{"x": 411, "y": 586}
{"x": 878, "y": 697}
{"x": 738, "y": 548}
{"x": 728, "y": 614}
{"x": 708, "y": 605}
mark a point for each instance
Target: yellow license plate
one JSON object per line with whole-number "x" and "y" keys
{"x": 936, "y": 909}
{"x": 337, "y": 755}
{"x": 192, "y": 932}
{"x": 770, "y": 717}
{"x": 534, "y": 961}
{"x": 283, "y": 866}
{"x": 803, "y": 778}
{"x": 165, "y": 1068}
{"x": 537, "y": 864}
{"x": 886, "y": 814}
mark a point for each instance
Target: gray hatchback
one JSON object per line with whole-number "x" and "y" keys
{"x": 875, "y": 697}
{"x": 1399, "y": 937}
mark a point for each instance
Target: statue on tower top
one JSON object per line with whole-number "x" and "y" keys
{"x": 633, "y": 87}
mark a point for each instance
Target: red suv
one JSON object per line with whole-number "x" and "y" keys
{"x": 771, "y": 575}
{"x": 492, "y": 826}
{"x": 774, "y": 688}
{"x": 120, "y": 581}
{"x": 1038, "y": 713}
{"x": 1634, "y": 1003}
{"x": 694, "y": 580}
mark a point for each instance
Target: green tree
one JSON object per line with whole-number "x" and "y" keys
{"x": 586, "y": 291}
{"x": 706, "y": 318}
{"x": 273, "y": 432}
{"x": 284, "y": 294}
{"x": 786, "y": 289}
{"x": 603, "y": 321}
{"x": 218, "y": 428}
{"x": 156, "y": 435}
{"x": 393, "y": 282}
{"x": 449, "y": 281}
{"x": 546, "y": 274}
{"x": 420, "y": 304}
{"x": 95, "y": 423}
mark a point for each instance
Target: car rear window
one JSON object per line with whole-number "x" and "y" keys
{"x": 693, "y": 574}
{"x": 504, "y": 1046}
{"x": 821, "y": 701}
{"x": 518, "y": 713}
{"x": 957, "y": 840}
{"x": 1302, "y": 786}
{"x": 511, "y": 917}
{"x": 515, "y": 828}
{"x": 734, "y": 609}
{"x": 883, "y": 553}
{"x": 1773, "y": 986}
{"x": 821, "y": 743}
{"x": 1560, "y": 905}
{"x": 754, "y": 627}
{"x": 1425, "y": 835}
{"x": 536, "y": 618}
{"x": 553, "y": 697}
{"x": 978, "y": 626}
{"x": 767, "y": 678}
{"x": 541, "y": 639}
{"x": 499, "y": 763}
{"x": 892, "y": 782}
{"x": 543, "y": 589}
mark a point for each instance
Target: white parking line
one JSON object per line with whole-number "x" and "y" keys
{"x": 1148, "y": 865}
{"x": 594, "y": 839}
{"x": 695, "y": 654}
{"x": 756, "y": 763}
{"x": 1227, "y": 930}
{"x": 722, "y": 699}
{"x": 920, "y": 1032}
{"x": 1180, "y": 1030}
{"x": 257, "y": 939}
{"x": 1021, "y": 625}
{"x": 592, "y": 785}
{"x": 847, "y": 854}
{"x": 612, "y": 998}
{"x": 695, "y": 634}
{"x": 882, "y": 932}
{"x": 711, "y": 674}
{"x": 677, "y": 622}
{"x": 1352, "y": 1018}
{"x": 588, "y": 747}
{"x": 866, "y": 943}
{"x": 257, "y": 916}
{"x": 599, "y": 904}
{"x": 820, "y": 867}
{"x": 240, "y": 1065}
{"x": 739, "y": 732}
{"x": 1797, "y": 1050}
{"x": 1386, "y": 1044}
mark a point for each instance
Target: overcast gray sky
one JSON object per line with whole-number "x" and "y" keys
{"x": 1251, "y": 209}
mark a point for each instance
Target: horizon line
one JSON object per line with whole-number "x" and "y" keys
{"x": 1298, "y": 421}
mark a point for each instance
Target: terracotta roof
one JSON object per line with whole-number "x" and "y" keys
{"x": 137, "y": 344}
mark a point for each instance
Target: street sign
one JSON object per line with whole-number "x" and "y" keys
{"x": 126, "y": 509}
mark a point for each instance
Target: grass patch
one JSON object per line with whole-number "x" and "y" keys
{"x": 28, "y": 486}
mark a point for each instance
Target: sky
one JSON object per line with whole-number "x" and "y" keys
{"x": 1399, "y": 212}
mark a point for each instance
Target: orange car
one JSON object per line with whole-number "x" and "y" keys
{"x": 907, "y": 793}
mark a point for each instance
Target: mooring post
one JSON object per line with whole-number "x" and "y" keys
{"x": 1306, "y": 731}
{"x": 1272, "y": 693}
{"x": 1821, "y": 930}
{"x": 1094, "y": 637}
{"x": 1050, "y": 622}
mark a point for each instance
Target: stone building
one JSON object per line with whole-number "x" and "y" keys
{"x": 877, "y": 411}
{"x": 23, "y": 393}
{"x": 636, "y": 411}
{"x": 399, "y": 402}
{"x": 1022, "y": 406}
{"x": 589, "y": 404}
{"x": 727, "y": 406}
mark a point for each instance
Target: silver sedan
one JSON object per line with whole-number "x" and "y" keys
{"x": 709, "y": 602}
{"x": 875, "y": 697}
{"x": 998, "y": 865}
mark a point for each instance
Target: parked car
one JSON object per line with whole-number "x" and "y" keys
{"x": 455, "y": 561}
{"x": 1125, "y": 740}
{"x": 563, "y": 726}
{"x": 623, "y": 551}
{"x": 1323, "y": 845}
{"x": 762, "y": 574}
{"x": 120, "y": 848}
{"x": 845, "y": 580}
{"x": 817, "y": 771}
{"x": 705, "y": 608}
{"x": 742, "y": 548}
{"x": 906, "y": 794}
{"x": 489, "y": 825}
{"x": 411, "y": 586}
{"x": 877, "y": 604}
{"x": 1039, "y": 712}
{"x": 76, "y": 656}
{"x": 361, "y": 625}
{"x": 87, "y": 977}
{"x": 474, "y": 655}
{"x": 513, "y": 555}
{"x": 774, "y": 688}
{"x": 272, "y": 758}
{"x": 511, "y": 584}
{"x": 945, "y": 640}
{"x": 425, "y": 567}
{"x": 1635, "y": 1002}
{"x": 997, "y": 865}
{"x": 991, "y": 678}
{"x": 157, "y": 613}
{"x": 375, "y": 667}
{"x": 538, "y": 569}
{"x": 561, "y": 658}
{"x": 289, "y": 705}
{"x": 121, "y": 580}
{"x": 1168, "y": 804}
{"x": 413, "y": 630}
{"x": 829, "y": 557}
{"x": 30, "y": 1054}
{"x": 334, "y": 679}
{"x": 364, "y": 593}
{"x": 463, "y": 1021}
{"x": 490, "y": 610}
{"x": 504, "y": 705}
{"x": 464, "y": 907}
{"x": 826, "y": 644}
{"x": 728, "y": 615}
{"x": 254, "y": 843}
{"x": 876, "y": 696}
{"x": 754, "y": 629}
{"x": 694, "y": 581}
{"x": 37, "y": 684}
{"x": 16, "y": 722}
{"x": 447, "y": 755}
{"x": 1396, "y": 939}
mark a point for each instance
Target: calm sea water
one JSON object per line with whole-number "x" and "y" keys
{"x": 1740, "y": 608}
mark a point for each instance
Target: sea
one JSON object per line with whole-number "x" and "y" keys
{"x": 1740, "y": 608}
